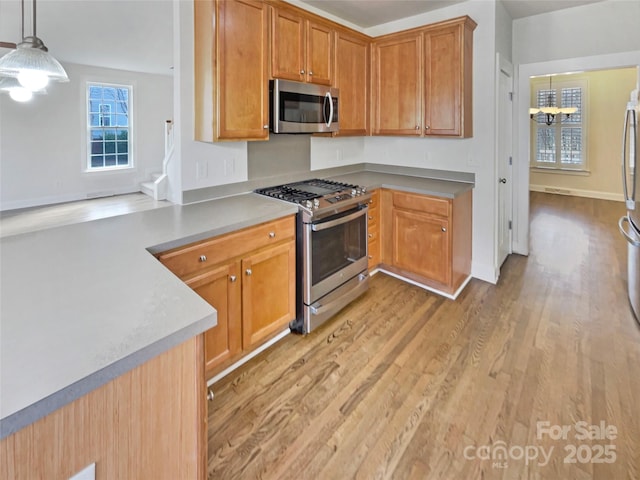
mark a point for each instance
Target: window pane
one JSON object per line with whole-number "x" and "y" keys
{"x": 123, "y": 147}
{"x": 109, "y": 93}
{"x": 571, "y": 152}
{"x": 97, "y": 148}
{"x": 572, "y": 97}
{"x": 123, "y": 134}
{"x": 97, "y": 161}
{"x": 109, "y": 134}
{"x": 109, "y": 147}
{"x": 109, "y": 160}
{"x": 123, "y": 159}
{"x": 546, "y": 145}
{"x": 122, "y": 120}
{"x": 96, "y": 134}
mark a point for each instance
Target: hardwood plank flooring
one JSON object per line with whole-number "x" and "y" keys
{"x": 405, "y": 384}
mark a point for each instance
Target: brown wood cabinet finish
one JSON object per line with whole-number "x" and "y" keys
{"x": 150, "y": 422}
{"x": 301, "y": 48}
{"x": 352, "y": 73}
{"x": 248, "y": 276}
{"x": 373, "y": 227}
{"x": 422, "y": 81}
{"x": 397, "y": 85}
{"x": 426, "y": 239}
{"x": 231, "y": 70}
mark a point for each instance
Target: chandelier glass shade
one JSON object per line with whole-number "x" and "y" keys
{"x": 550, "y": 111}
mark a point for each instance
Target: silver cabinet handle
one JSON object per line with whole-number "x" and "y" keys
{"x": 248, "y": 271}
{"x": 371, "y": 235}
{"x": 265, "y": 127}
{"x": 417, "y": 127}
{"x": 232, "y": 278}
{"x": 210, "y": 395}
{"x": 301, "y": 72}
{"x": 503, "y": 180}
{"x": 370, "y": 256}
{"x": 203, "y": 258}
{"x": 426, "y": 127}
{"x": 310, "y": 72}
{"x": 370, "y": 217}
{"x": 444, "y": 229}
{"x": 272, "y": 234}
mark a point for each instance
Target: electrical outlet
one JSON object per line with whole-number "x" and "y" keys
{"x": 88, "y": 473}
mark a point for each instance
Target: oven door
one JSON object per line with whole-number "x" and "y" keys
{"x": 335, "y": 251}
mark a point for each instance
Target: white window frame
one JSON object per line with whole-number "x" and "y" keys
{"x": 129, "y": 128}
{"x": 542, "y": 83}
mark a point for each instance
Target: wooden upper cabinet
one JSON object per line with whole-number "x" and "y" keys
{"x": 448, "y": 98}
{"x": 231, "y": 70}
{"x": 287, "y": 45}
{"x": 352, "y": 79}
{"x": 397, "y": 85}
{"x": 422, "y": 81}
{"x": 301, "y": 49}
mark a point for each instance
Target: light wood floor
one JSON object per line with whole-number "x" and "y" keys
{"x": 403, "y": 383}
{"x": 14, "y": 222}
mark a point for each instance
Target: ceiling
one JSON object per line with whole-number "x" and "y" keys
{"x": 368, "y": 13}
{"x": 137, "y": 35}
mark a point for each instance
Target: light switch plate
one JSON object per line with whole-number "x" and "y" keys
{"x": 88, "y": 473}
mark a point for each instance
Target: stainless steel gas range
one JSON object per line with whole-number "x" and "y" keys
{"x": 331, "y": 266}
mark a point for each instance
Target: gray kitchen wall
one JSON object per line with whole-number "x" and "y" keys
{"x": 282, "y": 154}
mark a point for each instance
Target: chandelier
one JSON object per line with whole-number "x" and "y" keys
{"x": 550, "y": 110}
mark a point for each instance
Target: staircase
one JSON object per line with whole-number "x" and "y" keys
{"x": 157, "y": 187}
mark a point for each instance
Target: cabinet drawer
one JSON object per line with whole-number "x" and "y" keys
{"x": 373, "y": 235}
{"x": 374, "y": 254}
{"x": 422, "y": 203}
{"x": 201, "y": 255}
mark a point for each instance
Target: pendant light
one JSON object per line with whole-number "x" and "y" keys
{"x": 31, "y": 63}
{"x": 551, "y": 110}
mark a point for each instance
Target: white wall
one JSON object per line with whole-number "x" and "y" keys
{"x": 475, "y": 154}
{"x": 602, "y": 35}
{"x": 43, "y": 142}
{"x": 201, "y": 164}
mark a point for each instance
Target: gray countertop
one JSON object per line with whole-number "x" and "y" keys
{"x": 421, "y": 185}
{"x": 82, "y": 304}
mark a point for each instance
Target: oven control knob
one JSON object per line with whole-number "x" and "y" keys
{"x": 316, "y": 203}
{"x": 354, "y": 192}
{"x": 308, "y": 204}
{"x": 363, "y": 189}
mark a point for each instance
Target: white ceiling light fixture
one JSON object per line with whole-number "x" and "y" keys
{"x": 550, "y": 110}
{"x": 31, "y": 63}
{"x": 16, "y": 91}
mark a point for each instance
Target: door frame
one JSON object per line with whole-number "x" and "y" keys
{"x": 522, "y": 146}
{"x": 503, "y": 65}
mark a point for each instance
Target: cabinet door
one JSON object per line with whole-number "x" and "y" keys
{"x": 231, "y": 75}
{"x": 287, "y": 47}
{"x": 352, "y": 79}
{"x": 442, "y": 81}
{"x": 397, "y": 85}
{"x": 319, "y": 53}
{"x": 268, "y": 292}
{"x": 421, "y": 245}
{"x": 221, "y": 289}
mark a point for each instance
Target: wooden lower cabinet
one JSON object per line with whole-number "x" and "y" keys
{"x": 252, "y": 286}
{"x": 268, "y": 293}
{"x": 426, "y": 239}
{"x": 373, "y": 230}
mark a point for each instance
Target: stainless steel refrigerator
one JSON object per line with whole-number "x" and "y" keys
{"x": 630, "y": 223}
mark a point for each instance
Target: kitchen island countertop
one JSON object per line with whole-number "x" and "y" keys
{"x": 82, "y": 304}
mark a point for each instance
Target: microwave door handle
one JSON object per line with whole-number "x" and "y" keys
{"x": 327, "y": 96}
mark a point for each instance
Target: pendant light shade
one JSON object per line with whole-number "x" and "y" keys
{"x": 31, "y": 63}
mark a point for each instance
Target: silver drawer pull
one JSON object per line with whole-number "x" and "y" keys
{"x": 232, "y": 278}
{"x": 248, "y": 271}
{"x": 370, "y": 217}
{"x": 203, "y": 258}
{"x": 272, "y": 234}
{"x": 444, "y": 229}
{"x": 371, "y": 235}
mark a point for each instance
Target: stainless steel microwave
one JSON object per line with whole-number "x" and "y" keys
{"x": 297, "y": 107}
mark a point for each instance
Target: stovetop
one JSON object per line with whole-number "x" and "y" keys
{"x": 318, "y": 197}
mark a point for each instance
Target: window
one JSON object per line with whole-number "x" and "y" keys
{"x": 108, "y": 126}
{"x": 561, "y": 145}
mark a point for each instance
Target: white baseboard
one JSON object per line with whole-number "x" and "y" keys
{"x": 248, "y": 357}
{"x": 484, "y": 272}
{"x": 423, "y": 286}
{"x": 617, "y": 197}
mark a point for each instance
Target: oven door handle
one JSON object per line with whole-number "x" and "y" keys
{"x": 318, "y": 227}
